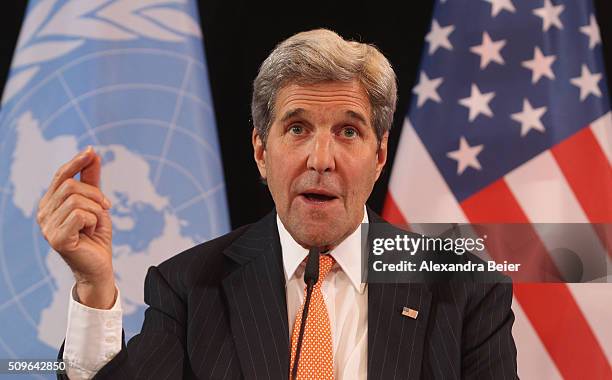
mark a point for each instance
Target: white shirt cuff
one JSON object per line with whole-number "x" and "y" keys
{"x": 93, "y": 337}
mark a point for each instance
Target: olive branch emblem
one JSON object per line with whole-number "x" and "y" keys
{"x": 46, "y": 36}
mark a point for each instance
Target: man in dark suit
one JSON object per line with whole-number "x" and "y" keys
{"x": 322, "y": 108}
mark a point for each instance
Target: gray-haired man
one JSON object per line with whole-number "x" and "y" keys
{"x": 322, "y": 108}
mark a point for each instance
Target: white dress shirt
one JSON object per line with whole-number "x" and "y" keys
{"x": 93, "y": 336}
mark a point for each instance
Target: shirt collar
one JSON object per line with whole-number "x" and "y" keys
{"x": 347, "y": 254}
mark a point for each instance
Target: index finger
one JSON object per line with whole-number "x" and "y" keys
{"x": 91, "y": 172}
{"x": 71, "y": 168}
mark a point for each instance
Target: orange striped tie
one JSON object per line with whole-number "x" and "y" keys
{"x": 316, "y": 355}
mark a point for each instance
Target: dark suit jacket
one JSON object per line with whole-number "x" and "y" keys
{"x": 218, "y": 311}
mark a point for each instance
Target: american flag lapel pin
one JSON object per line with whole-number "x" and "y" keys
{"x": 410, "y": 313}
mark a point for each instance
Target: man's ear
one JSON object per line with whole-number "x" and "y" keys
{"x": 381, "y": 155}
{"x": 259, "y": 153}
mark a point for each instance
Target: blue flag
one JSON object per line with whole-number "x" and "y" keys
{"x": 130, "y": 79}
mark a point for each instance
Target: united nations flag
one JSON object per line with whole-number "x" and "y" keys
{"x": 128, "y": 77}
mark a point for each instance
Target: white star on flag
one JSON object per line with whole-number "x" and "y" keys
{"x": 550, "y": 15}
{"x": 466, "y": 156}
{"x": 426, "y": 89}
{"x": 587, "y": 82}
{"x": 438, "y": 37}
{"x": 540, "y": 65}
{"x": 500, "y": 5}
{"x": 489, "y": 50}
{"x": 529, "y": 118}
{"x": 592, "y": 30}
{"x": 478, "y": 103}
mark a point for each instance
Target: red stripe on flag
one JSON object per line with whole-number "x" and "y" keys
{"x": 560, "y": 324}
{"x": 392, "y": 213}
{"x": 494, "y": 204}
{"x": 552, "y": 311}
{"x": 588, "y": 172}
{"x": 516, "y": 243}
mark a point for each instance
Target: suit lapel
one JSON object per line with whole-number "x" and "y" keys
{"x": 255, "y": 292}
{"x": 395, "y": 341}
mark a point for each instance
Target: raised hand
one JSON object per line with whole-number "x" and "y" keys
{"x": 74, "y": 217}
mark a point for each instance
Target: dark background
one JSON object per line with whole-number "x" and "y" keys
{"x": 238, "y": 35}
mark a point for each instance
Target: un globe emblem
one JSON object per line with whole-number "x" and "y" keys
{"x": 156, "y": 134}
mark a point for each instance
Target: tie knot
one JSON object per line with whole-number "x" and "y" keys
{"x": 325, "y": 264}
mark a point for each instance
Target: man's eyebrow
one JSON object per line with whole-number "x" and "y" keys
{"x": 357, "y": 115}
{"x": 292, "y": 113}
{"x": 295, "y": 112}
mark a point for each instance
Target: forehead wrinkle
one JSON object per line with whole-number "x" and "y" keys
{"x": 326, "y": 91}
{"x": 354, "y": 101}
{"x": 352, "y": 95}
{"x": 353, "y": 90}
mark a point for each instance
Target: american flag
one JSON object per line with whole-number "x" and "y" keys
{"x": 510, "y": 122}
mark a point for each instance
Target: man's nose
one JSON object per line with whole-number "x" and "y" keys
{"x": 321, "y": 155}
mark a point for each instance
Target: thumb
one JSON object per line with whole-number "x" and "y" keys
{"x": 91, "y": 173}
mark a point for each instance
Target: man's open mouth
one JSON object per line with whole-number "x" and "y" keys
{"x": 317, "y": 197}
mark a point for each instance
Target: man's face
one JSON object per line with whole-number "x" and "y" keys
{"x": 321, "y": 160}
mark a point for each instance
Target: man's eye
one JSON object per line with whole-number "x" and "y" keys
{"x": 350, "y": 132}
{"x": 296, "y": 129}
